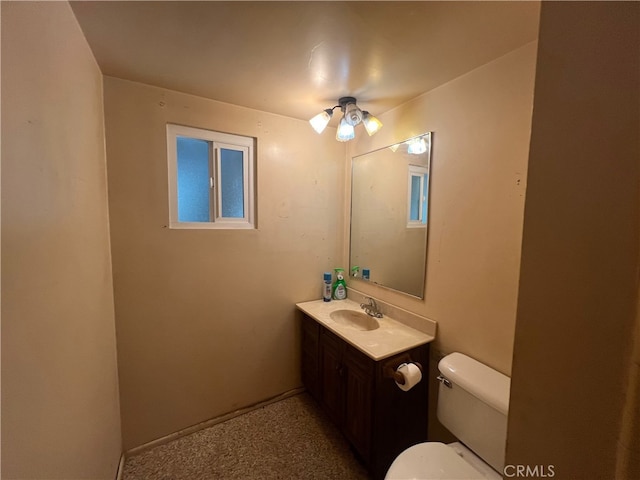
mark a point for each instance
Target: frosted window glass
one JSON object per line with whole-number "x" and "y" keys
{"x": 193, "y": 180}
{"x": 231, "y": 183}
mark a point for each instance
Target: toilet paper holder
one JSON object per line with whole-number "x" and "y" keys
{"x": 390, "y": 370}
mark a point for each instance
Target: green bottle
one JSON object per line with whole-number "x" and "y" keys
{"x": 339, "y": 286}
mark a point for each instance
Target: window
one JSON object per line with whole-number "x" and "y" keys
{"x": 417, "y": 196}
{"x": 210, "y": 179}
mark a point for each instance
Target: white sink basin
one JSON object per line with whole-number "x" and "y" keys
{"x": 354, "y": 319}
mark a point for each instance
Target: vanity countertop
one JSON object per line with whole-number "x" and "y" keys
{"x": 390, "y": 338}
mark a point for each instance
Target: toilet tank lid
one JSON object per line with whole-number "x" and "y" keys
{"x": 481, "y": 381}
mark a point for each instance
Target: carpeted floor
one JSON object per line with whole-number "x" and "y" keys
{"x": 289, "y": 439}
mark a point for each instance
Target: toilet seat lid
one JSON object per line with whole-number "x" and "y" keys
{"x": 431, "y": 460}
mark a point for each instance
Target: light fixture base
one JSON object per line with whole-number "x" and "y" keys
{"x": 344, "y": 101}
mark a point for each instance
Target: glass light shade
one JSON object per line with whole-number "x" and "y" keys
{"x": 345, "y": 131}
{"x": 371, "y": 123}
{"x": 417, "y": 146}
{"x": 320, "y": 121}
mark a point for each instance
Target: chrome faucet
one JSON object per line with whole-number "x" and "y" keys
{"x": 371, "y": 307}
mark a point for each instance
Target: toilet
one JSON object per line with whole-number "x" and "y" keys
{"x": 473, "y": 403}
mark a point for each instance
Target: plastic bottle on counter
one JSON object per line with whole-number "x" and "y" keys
{"x": 326, "y": 287}
{"x": 339, "y": 286}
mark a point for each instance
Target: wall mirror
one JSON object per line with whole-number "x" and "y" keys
{"x": 390, "y": 215}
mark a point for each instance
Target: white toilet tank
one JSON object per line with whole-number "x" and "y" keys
{"x": 475, "y": 406}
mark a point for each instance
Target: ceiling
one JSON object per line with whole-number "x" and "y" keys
{"x": 296, "y": 58}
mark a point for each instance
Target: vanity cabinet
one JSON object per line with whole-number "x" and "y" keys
{"x": 346, "y": 388}
{"x": 357, "y": 392}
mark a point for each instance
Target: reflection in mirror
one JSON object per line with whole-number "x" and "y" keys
{"x": 389, "y": 215}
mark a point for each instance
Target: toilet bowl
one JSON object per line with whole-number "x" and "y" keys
{"x": 473, "y": 404}
{"x": 434, "y": 460}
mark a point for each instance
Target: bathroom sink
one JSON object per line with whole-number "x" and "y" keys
{"x": 354, "y": 319}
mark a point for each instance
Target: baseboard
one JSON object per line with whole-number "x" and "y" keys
{"x": 206, "y": 424}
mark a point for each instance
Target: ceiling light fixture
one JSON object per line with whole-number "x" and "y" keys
{"x": 351, "y": 117}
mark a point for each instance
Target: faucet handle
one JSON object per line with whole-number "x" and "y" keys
{"x": 371, "y": 307}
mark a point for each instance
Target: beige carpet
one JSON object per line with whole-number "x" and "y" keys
{"x": 290, "y": 439}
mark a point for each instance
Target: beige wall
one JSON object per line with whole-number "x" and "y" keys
{"x": 481, "y": 123}
{"x": 578, "y": 283}
{"x": 60, "y": 414}
{"x": 205, "y": 318}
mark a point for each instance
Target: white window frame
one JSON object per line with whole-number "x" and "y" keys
{"x": 218, "y": 140}
{"x": 417, "y": 171}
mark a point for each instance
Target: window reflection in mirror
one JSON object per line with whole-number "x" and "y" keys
{"x": 389, "y": 214}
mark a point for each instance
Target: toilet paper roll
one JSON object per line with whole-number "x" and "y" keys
{"x": 412, "y": 375}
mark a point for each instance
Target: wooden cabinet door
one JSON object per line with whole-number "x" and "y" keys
{"x": 400, "y": 418}
{"x": 331, "y": 348}
{"x": 358, "y": 401}
{"x": 310, "y": 370}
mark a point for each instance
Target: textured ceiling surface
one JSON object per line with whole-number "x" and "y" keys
{"x": 296, "y": 58}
